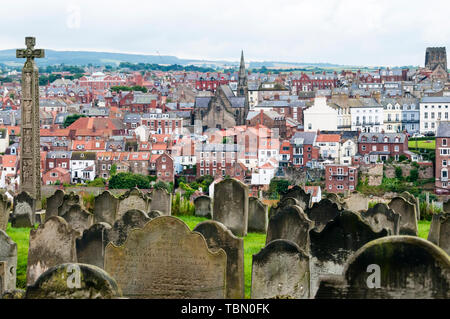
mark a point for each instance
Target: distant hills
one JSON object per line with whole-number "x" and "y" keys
{"x": 53, "y": 57}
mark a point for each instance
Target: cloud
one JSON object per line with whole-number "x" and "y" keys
{"x": 370, "y": 32}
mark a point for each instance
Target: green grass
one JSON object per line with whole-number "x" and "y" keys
{"x": 21, "y": 237}
{"x": 427, "y": 144}
{"x": 424, "y": 228}
{"x": 192, "y": 221}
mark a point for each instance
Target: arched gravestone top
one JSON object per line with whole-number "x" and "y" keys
{"x": 440, "y": 231}
{"x": 53, "y": 203}
{"x": 280, "y": 270}
{"x": 165, "y": 259}
{"x": 155, "y": 213}
{"x": 68, "y": 201}
{"x": 299, "y": 194}
{"x": 409, "y": 267}
{"x": 78, "y": 218}
{"x": 203, "y": 206}
{"x": 133, "y": 199}
{"x": 285, "y": 202}
{"x": 322, "y": 213}
{"x": 408, "y": 215}
{"x": 74, "y": 281}
{"x": 341, "y": 237}
{"x": 335, "y": 198}
{"x": 105, "y": 208}
{"x": 382, "y": 217}
{"x": 5, "y": 209}
{"x": 257, "y": 215}
{"x": 90, "y": 246}
{"x": 413, "y": 200}
{"x": 218, "y": 236}
{"x": 231, "y": 205}
{"x": 132, "y": 219}
{"x": 51, "y": 244}
{"x": 24, "y": 210}
{"x": 291, "y": 223}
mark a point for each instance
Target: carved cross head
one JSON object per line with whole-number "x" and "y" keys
{"x": 30, "y": 53}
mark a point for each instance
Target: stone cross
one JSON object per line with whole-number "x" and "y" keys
{"x": 30, "y": 166}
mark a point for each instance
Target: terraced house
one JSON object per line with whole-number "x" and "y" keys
{"x": 442, "y": 158}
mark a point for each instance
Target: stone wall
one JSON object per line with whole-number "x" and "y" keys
{"x": 425, "y": 170}
{"x": 373, "y": 173}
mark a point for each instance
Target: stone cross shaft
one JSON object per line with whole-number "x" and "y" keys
{"x": 30, "y": 166}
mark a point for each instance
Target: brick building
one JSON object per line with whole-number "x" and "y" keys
{"x": 303, "y": 149}
{"x": 381, "y": 146}
{"x": 340, "y": 178}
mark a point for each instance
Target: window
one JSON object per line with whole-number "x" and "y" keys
{"x": 444, "y": 162}
{"x": 444, "y": 142}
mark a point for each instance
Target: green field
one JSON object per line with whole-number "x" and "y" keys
{"x": 253, "y": 243}
{"x": 426, "y": 144}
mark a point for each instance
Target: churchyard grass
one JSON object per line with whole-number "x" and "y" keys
{"x": 21, "y": 236}
{"x": 253, "y": 243}
{"x": 424, "y": 228}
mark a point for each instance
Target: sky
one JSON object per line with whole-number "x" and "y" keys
{"x": 348, "y": 32}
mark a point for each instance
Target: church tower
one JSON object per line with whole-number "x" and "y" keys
{"x": 242, "y": 87}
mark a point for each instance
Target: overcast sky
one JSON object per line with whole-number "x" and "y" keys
{"x": 351, "y": 32}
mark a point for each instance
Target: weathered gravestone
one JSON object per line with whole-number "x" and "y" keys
{"x": 382, "y": 217}
{"x": 218, "y": 236}
{"x": 299, "y": 194}
{"x": 51, "y": 244}
{"x": 78, "y": 218}
{"x": 203, "y": 206}
{"x": 162, "y": 201}
{"x": 24, "y": 211}
{"x": 413, "y": 200}
{"x": 5, "y": 209}
{"x": 283, "y": 203}
{"x": 280, "y": 270}
{"x": 154, "y": 214}
{"x": 292, "y": 224}
{"x": 69, "y": 200}
{"x": 8, "y": 256}
{"x": 408, "y": 217}
{"x": 231, "y": 205}
{"x": 333, "y": 246}
{"x": 356, "y": 202}
{"x": 405, "y": 267}
{"x": 105, "y": 208}
{"x": 132, "y": 219}
{"x": 440, "y": 231}
{"x": 322, "y": 213}
{"x": 257, "y": 215}
{"x": 74, "y": 281}
{"x": 91, "y": 247}
{"x": 53, "y": 203}
{"x": 166, "y": 260}
{"x": 133, "y": 199}
{"x": 337, "y": 200}
{"x": 446, "y": 206}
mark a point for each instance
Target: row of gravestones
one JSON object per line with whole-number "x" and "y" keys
{"x": 140, "y": 257}
{"x": 233, "y": 207}
{"x": 308, "y": 243}
{"x": 107, "y": 208}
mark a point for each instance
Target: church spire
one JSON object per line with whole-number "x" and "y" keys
{"x": 242, "y": 73}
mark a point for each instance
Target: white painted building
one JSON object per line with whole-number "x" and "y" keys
{"x": 368, "y": 117}
{"x": 347, "y": 149}
{"x": 263, "y": 174}
{"x": 320, "y": 116}
{"x": 82, "y": 167}
{"x": 433, "y": 110}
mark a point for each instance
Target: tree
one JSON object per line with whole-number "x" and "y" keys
{"x": 398, "y": 172}
{"x": 129, "y": 180}
{"x": 113, "y": 170}
{"x": 71, "y": 119}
